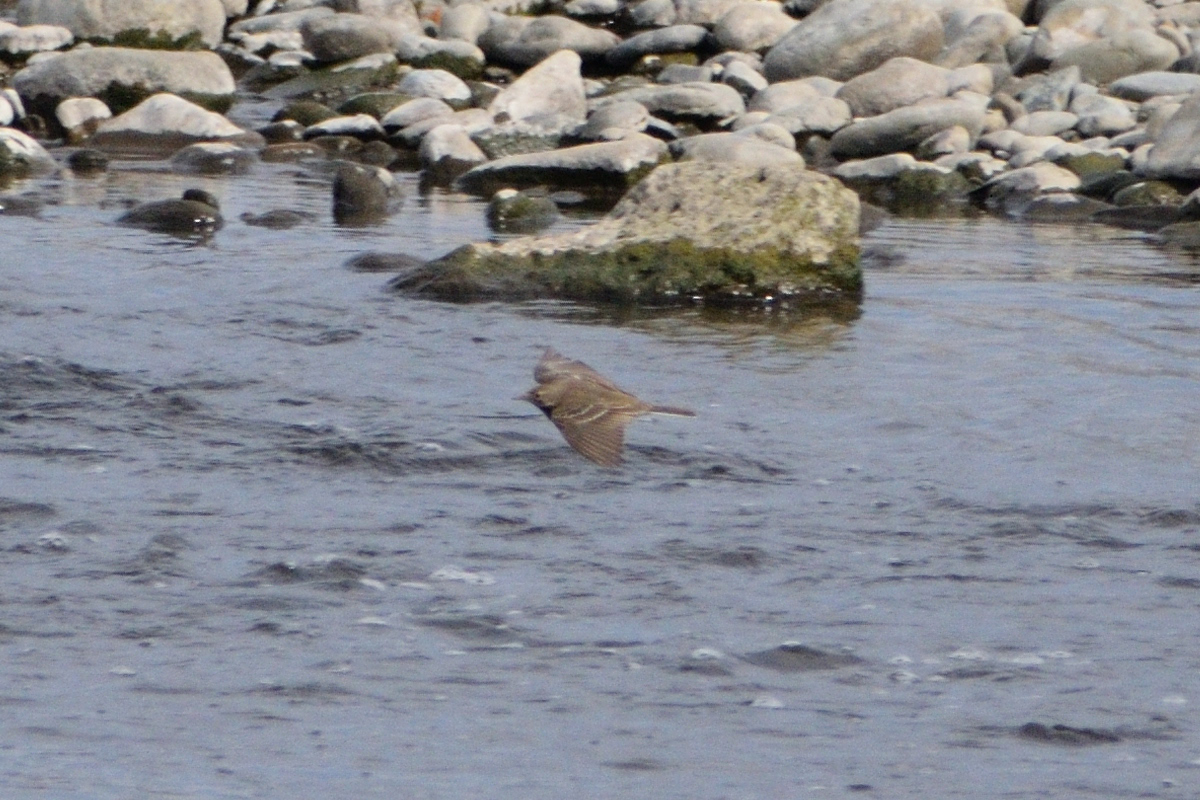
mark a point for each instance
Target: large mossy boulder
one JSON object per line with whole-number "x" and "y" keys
{"x": 689, "y": 232}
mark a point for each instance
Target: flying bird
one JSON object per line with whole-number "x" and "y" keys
{"x": 589, "y": 410}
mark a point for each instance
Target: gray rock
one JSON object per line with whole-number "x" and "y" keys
{"x": 1144, "y": 85}
{"x": 783, "y": 95}
{"x": 279, "y": 219}
{"x": 1122, "y": 54}
{"x": 1176, "y": 150}
{"x": 684, "y": 73}
{"x": 822, "y": 116}
{"x": 107, "y": 19}
{"x": 436, "y": 83}
{"x": 1074, "y": 23}
{"x": 360, "y": 126}
{"x": 20, "y": 43}
{"x": 613, "y": 121}
{"x": 674, "y": 39}
{"x": 80, "y": 117}
{"x": 983, "y": 38}
{"x": 553, "y": 89}
{"x": 414, "y": 111}
{"x": 752, "y": 26}
{"x": 282, "y": 21}
{"x": 606, "y": 165}
{"x": 519, "y": 137}
{"x": 213, "y": 158}
{"x": 118, "y": 73}
{"x": 461, "y": 58}
{"x": 744, "y": 78}
{"x": 746, "y": 147}
{"x": 905, "y": 128}
{"x": 524, "y": 41}
{"x": 1045, "y": 123}
{"x": 447, "y": 151}
{"x": 164, "y": 123}
{"x": 956, "y": 139}
{"x": 1049, "y": 92}
{"x": 653, "y": 14}
{"x": 689, "y": 231}
{"x": 697, "y": 102}
{"x": 1012, "y": 191}
{"x": 844, "y": 38}
{"x": 703, "y": 12}
{"x": 896, "y": 83}
{"x": 21, "y": 153}
{"x": 593, "y": 8}
{"x": 197, "y": 213}
{"x": 343, "y": 37}
{"x": 472, "y": 120}
{"x": 1102, "y": 116}
{"x": 465, "y": 22}
{"x": 363, "y": 194}
{"x": 510, "y": 211}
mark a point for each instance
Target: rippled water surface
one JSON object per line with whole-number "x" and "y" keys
{"x": 268, "y": 531}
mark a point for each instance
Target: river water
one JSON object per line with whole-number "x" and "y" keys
{"x": 269, "y": 531}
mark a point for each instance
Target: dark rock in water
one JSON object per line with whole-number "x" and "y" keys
{"x": 278, "y": 219}
{"x": 282, "y": 131}
{"x": 1180, "y": 234}
{"x": 511, "y": 211}
{"x": 306, "y": 112}
{"x": 800, "y": 658}
{"x": 1138, "y": 218}
{"x": 19, "y": 206}
{"x": 1065, "y": 734}
{"x": 197, "y": 212}
{"x": 363, "y": 193}
{"x": 1062, "y": 207}
{"x": 696, "y": 231}
{"x": 383, "y": 262}
{"x": 88, "y": 160}
{"x": 214, "y": 158}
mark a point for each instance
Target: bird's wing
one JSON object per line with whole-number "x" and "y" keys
{"x": 554, "y": 365}
{"x": 594, "y": 423}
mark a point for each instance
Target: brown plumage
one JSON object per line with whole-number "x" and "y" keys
{"x": 588, "y": 409}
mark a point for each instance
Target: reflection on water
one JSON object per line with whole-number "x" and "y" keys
{"x": 269, "y": 530}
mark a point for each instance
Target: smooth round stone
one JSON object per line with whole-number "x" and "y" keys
{"x": 464, "y": 22}
{"x": 744, "y": 78}
{"x": 471, "y": 120}
{"x": 383, "y": 262}
{"x": 360, "y": 126}
{"x": 510, "y": 211}
{"x": 882, "y": 167}
{"x": 96, "y": 71}
{"x": 653, "y": 14}
{"x": 269, "y": 41}
{"x": 278, "y": 219}
{"x": 984, "y": 37}
{"x": 213, "y": 158}
{"x": 22, "y": 42}
{"x": 109, "y": 19}
{"x": 1045, "y": 123}
{"x": 821, "y": 115}
{"x": 1145, "y": 85}
{"x": 363, "y": 193}
{"x": 7, "y": 112}
{"x": 1070, "y": 24}
{"x": 197, "y": 212}
{"x": 849, "y": 37}
{"x": 344, "y": 37}
{"x": 447, "y": 151}
{"x": 20, "y": 152}
{"x": 81, "y": 116}
{"x": 703, "y": 12}
{"x": 553, "y": 89}
{"x": 165, "y": 121}
{"x": 1110, "y": 58}
{"x": 460, "y": 58}
{"x": 593, "y": 8}
{"x": 896, "y": 83}
{"x": 279, "y": 21}
{"x": 1102, "y": 116}
{"x": 414, "y": 111}
{"x": 88, "y": 160}
{"x": 675, "y": 39}
{"x": 783, "y": 95}
{"x": 745, "y": 147}
{"x": 523, "y": 41}
{"x": 905, "y": 128}
{"x": 752, "y": 26}
{"x": 955, "y": 139}
{"x": 614, "y": 121}
{"x": 700, "y": 102}
{"x": 1034, "y": 179}
{"x": 436, "y": 83}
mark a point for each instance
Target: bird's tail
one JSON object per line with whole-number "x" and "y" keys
{"x": 674, "y": 411}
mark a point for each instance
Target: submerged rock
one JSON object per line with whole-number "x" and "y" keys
{"x": 689, "y": 232}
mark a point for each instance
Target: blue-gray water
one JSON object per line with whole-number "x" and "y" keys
{"x": 267, "y": 531}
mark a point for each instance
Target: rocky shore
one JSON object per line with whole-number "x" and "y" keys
{"x": 754, "y": 116}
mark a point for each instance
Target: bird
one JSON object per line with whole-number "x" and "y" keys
{"x": 589, "y": 410}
